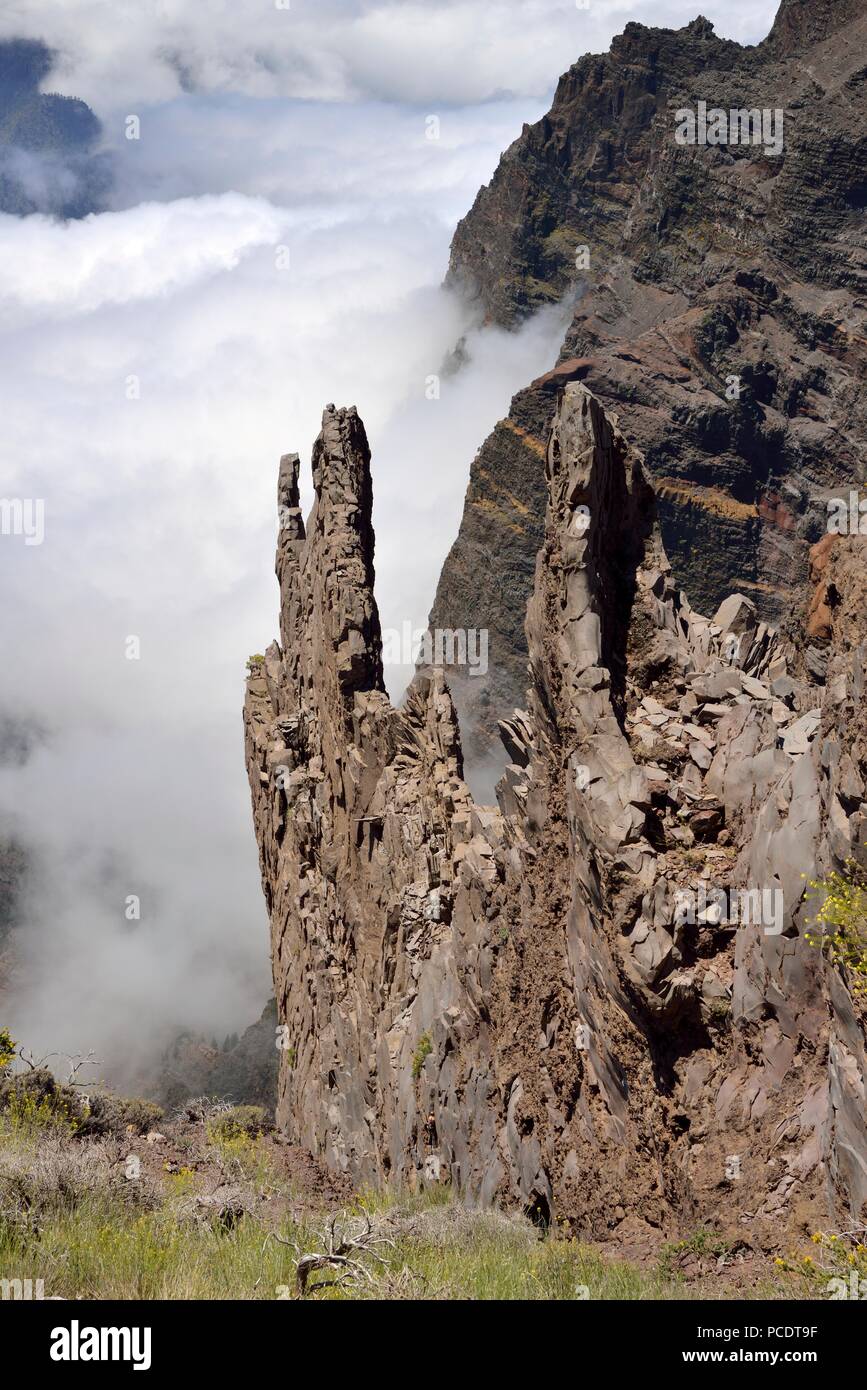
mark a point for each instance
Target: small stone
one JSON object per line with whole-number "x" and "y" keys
{"x": 783, "y": 687}
{"x": 755, "y": 688}
{"x": 700, "y": 755}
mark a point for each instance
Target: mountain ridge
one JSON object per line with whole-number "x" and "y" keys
{"x": 708, "y": 266}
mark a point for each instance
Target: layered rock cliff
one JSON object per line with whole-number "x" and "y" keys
{"x": 719, "y": 309}
{"x": 596, "y": 1000}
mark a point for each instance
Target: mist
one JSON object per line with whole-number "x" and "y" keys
{"x": 148, "y": 402}
{"x": 451, "y": 52}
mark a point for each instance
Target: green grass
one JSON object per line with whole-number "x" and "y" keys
{"x": 101, "y": 1251}
{"x": 98, "y": 1251}
{"x": 489, "y": 1262}
{"x": 89, "y": 1234}
{"x": 70, "y": 1216}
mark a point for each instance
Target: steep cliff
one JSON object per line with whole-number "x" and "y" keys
{"x": 597, "y": 1000}
{"x": 719, "y": 309}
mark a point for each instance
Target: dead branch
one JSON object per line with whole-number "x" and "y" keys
{"x": 349, "y": 1239}
{"x": 76, "y": 1061}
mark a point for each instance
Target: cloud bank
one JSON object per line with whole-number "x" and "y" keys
{"x": 405, "y": 51}
{"x": 160, "y": 361}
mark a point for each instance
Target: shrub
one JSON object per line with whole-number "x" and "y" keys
{"x": 56, "y": 1176}
{"x": 119, "y": 1115}
{"x": 35, "y": 1101}
{"x": 842, "y": 924}
{"x": 423, "y": 1050}
{"x": 836, "y": 1269}
{"x": 701, "y": 1243}
{"x": 249, "y": 1120}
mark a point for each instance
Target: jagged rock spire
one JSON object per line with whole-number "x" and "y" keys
{"x": 513, "y": 1000}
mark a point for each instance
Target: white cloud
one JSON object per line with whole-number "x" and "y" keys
{"x": 122, "y": 257}
{"x": 418, "y": 51}
{"x": 160, "y": 523}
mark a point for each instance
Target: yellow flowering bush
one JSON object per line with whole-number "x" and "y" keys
{"x": 28, "y": 1113}
{"x": 182, "y": 1181}
{"x": 841, "y": 920}
{"x": 835, "y": 1259}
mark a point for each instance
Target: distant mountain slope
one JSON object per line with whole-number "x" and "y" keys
{"x": 17, "y": 740}
{"x": 49, "y": 158}
{"x": 711, "y": 268}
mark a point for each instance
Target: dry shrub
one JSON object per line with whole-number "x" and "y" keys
{"x": 60, "y": 1174}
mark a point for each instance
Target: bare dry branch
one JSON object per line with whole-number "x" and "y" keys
{"x": 349, "y": 1239}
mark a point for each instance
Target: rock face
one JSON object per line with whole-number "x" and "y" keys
{"x": 596, "y": 1000}
{"x": 719, "y": 310}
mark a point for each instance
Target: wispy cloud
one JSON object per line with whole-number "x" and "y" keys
{"x": 437, "y": 51}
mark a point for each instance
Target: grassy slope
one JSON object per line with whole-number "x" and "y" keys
{"x": 71, "y": 1215}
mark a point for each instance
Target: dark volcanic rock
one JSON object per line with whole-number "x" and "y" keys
{"x": 721, "y": 315}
